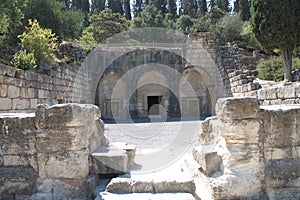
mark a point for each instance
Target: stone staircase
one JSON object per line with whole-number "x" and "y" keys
{"x": 170, "y": 183}
{"x": 114, "y": 159}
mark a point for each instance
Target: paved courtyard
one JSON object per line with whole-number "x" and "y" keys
{"x": 159, "y": 144}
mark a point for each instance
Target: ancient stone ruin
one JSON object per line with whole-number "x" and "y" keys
{"x": 53, "y": 144}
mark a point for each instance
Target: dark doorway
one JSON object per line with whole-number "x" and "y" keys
{"x": 153, "y": 105}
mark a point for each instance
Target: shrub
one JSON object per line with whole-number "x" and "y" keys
{"x": 39, "y": 41}
{"x": 24, "y": 60}
{"x": 272, "y": 69}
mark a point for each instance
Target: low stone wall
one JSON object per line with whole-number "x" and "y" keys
{"x": 250, "y": 151}
{"x": 22, "y": 90}
{"x": 45, "y": 155}
{"x": 289, "y": 94}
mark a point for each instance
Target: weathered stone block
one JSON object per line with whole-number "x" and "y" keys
{"x": 18, "y": 134}
{"x": 66, "y": 115}
{"x": 69, "y": 165}
{"x": 109, "y": 161}
{"x": 63, "y": 139}
{"x": 286, "y": 92}
{"x": 283, "y": 173}
{"x": 6, "y": 104}
{"x": 228, "y": 109}
{"x": 280, "y": 125}
{"x": 3, "y": 90}
{"x": 283, "y": 193}
{"x": 241, "y": 132}
{"x": 21, "y": 104}
{"x": 17, "y": 180}
{"x": 13, "y": 91}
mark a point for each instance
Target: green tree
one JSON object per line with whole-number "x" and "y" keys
{"x": 229, "y": 28}
{"x": 242, "y": 7}
{"x": 81, "y": 5}
{"x": 185, "y": 24}
{"x": 276, "y": 25}
{"x": 138, "y": 7}
{"x": 104, "y": 25}
{"x": 115, "y": 6}
{"x": 172, "y": 8}
{"x": 39, "y": 41}
{"x": 190, "y": 7}
{"x": 202, "y": 7}
{"x": 127, "y": 10}
{"x": 150, "y": 17}
{"x": 224, "y": 5}
{"x": 97, "y": 5}
{"x": 65, "y": 23}
{"x": 11, "y": 16}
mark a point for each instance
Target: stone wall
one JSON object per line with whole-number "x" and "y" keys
{"x": 22, "y": 90}
{"x": 45, "y": 155}
{"x": 250, "y": 151}
{"x": 276, "y": 95}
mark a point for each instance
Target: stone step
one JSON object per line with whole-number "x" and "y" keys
{"x": 148, "y": 185}
{"x": 117, "y": 158}
{"x": 147, "y": 196}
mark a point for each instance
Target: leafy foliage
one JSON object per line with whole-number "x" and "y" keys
{"x": 11, "y": 16}
{"x": 39, "y": 41}
{"x": 276, "y": 25}
{"x": 272, "y": 69}
{"x": 150, "y": 17}
{"x": 65, "y": 23}
{"x": 24, "y": 60}
{"x": 229, "y": 28}
{"x": 248, "y": 38}
{"x": 102, "y": 26}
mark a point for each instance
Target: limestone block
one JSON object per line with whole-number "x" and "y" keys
{"x": 244, "y": 161}
{"x": 210, "y": 130}
{"x": 266, "y": 94}
{"x": 119, "y": 185}
{"x": 17, "y": 134}
{"x": 108, "y": 161}
{"x": 33, "y": 103}
{"x": 3, "y": 90}
{"x": 232, "y": 187}
{"x": 283, "y": 173}
{"x": 6, "y": 104}
{"x": 241, "y": 132}
{"x": 286, "y": 92}
{"x": 17, "y": 180}
{"x": 280, "y": 126}
{"x": 20, "y": 160}
{"x": 13, "y": 81}
{"x": 63, "y": 139}
{"x": 280, "y": 153}
{"x": 21, "y": 104}
{"x": 66, "y": 115}
{"x": 43, "y": 94}
{"x": 69, "y": 165}
{"x": 13, "y": 91}
{"x": 228, "y": 109}
{"x": 297, "y": 90}
{"x": 74, "y": 188}
{"x": 289, "y": 101}
{"x": 283, "y": 193}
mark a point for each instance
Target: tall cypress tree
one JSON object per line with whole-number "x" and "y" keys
{"x": 245, "y": 9}
{"x": 115, "y": 6}
{"x": 190, "y": 8}
{"x": 276, "y": 25}
{"x": 138, "y": 7}
{"x": 127, "y": 10}
{"x": 172, "y": 7}
{"x": 202, "y": 7}
{"x": 98, "y": 5}
{"x": 224, "y": 5}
